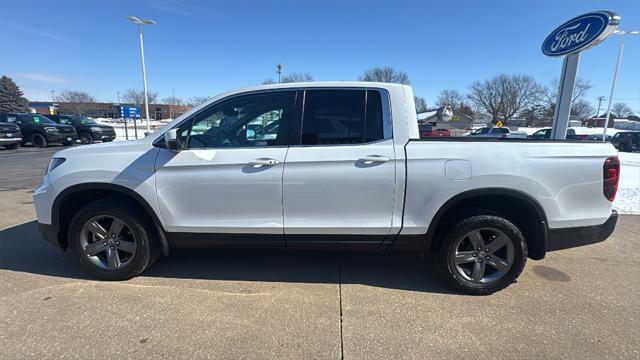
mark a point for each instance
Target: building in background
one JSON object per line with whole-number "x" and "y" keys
{"x": 104, "y": 110}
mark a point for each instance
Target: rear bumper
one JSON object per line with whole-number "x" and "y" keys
{"x": 50, "y": 234}
{"x": 559, "y": 239}
{"x": 4, "y": 141}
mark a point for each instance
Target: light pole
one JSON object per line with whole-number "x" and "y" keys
{"x": 622, "y": 34}
{"x": 139, "y": 23}
{"x": 279, "y": 71}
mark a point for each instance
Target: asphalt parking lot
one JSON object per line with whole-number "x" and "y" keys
{"x": 580, "y": 303}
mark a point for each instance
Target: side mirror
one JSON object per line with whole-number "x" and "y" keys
{"x": 172, "y": 141}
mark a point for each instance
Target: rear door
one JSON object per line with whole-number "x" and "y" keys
{"x": 341, "y": 178}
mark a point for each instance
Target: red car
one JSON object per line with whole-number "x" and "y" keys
{"x": 441, "y": 132}
{"x": 427, "y": 131}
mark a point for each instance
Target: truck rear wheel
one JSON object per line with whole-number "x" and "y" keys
{"x": 112, "y": 240}
{"x": 482, "y": 254}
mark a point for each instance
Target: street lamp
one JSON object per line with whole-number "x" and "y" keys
{"x": 279, "y": 71}
{"x": 139, "y": 22}
{"x": 622, "y": 34}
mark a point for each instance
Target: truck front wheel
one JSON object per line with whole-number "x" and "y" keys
{"x": 482, "y": 254}
{"x": 112, "y": 240}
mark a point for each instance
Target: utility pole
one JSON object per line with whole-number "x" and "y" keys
{"x": 600, "y": 99}
{"x": 118, "y": 97}
{"x": 53, "y": 97}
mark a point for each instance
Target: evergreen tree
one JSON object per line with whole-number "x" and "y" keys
{"x": 11, "y": 97}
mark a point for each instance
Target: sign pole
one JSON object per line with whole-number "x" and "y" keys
{"x": 126, "y": 132}
{"x": 565, "y": 94}
{"x": 135, "y": 127}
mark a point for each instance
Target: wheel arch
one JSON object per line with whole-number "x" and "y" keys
{"x": 71, "y": 199}
{"x": 517, "y": 206}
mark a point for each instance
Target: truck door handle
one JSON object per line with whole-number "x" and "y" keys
{"x": 370, "y": 159}
{"x": 263, "y": 162}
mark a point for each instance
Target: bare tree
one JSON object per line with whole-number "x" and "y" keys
{"x": 196, "y": 100}
{"x": 174, "y": 104}
{"x": 578, "y": 108}
{"x": 291, "y": 78}
{"x": 621, "y": 110}
{"x": 449, "y": 97}
{"x": 503, "y": 96}
{"x": 582, "y": 109}
{"x": 296, "y": 77}
{"x": 386, "y": 74}
{"x": 136, "y": 97}
{"x": 421, "y": 104}
{"x": 75, "y": 102}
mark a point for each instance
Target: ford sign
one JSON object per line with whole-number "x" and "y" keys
{"x": 580, "y": 33}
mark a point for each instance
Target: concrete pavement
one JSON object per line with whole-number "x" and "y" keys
{"x": 580, "y": 303}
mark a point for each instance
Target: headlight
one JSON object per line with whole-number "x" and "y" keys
{"x": 54, "y": 163}
{"x": 96, "y": 129}
{"x": 51, "y": 129}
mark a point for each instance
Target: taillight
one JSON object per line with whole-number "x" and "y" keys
{"x": 610, "y": 177}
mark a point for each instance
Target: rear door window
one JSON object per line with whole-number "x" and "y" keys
{"x": 333, "y": 117}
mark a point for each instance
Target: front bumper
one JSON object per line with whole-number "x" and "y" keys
{"x": 559, "y": 239}
{"x": 5, "y": 141}
{"x": 102, "y": 136}
{"x": 61, "y": 137}
{"x": 50, "y": 234}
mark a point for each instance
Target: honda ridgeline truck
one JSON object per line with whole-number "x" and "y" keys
{"x": 327, "y": 166}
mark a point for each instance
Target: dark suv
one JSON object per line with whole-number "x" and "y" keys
{"x": 40, "y": 130}
{"x": 88, "y": 130}
{"x": 10, "y": 135}
{"x": 627, "y": 141}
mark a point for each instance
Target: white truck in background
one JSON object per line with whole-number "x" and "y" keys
{"x": 336, "y": 165}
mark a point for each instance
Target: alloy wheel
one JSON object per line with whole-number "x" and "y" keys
{"x": 108, "y": 242}
{"x": 483, "y": 256}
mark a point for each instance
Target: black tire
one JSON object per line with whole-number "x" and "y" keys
{"x": 12, "y": 146}
{"x": 39, "y": 140}
{"x": 140, "y": 226}
{"x": 86, "y": 138}
{"x": 456, "y": 276}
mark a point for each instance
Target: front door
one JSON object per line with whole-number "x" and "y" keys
{"x": 228, "y": 177}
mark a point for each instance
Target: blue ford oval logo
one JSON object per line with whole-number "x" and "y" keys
{"x": 580, "y": 33}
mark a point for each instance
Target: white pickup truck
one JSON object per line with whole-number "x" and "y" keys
{"x": 336, "y": 165}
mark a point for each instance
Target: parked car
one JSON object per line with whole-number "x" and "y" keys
{"x": 88, "y": 129}
{"x": 499, "y": 132}
{"x": 571, "y": 134}
{"x": 10, "y": 135}
{"x": 340, "y": 173}
{"x": 40, "y": 130}
{"x": 441, "y": 132}
{"x": 627, "y": 141}
{"x": 425, "y": 130}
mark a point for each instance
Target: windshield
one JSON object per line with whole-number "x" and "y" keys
{"x": 35, "y": 119}
{"x": 85, "y": 121}
{"x": 481, "y": 131}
